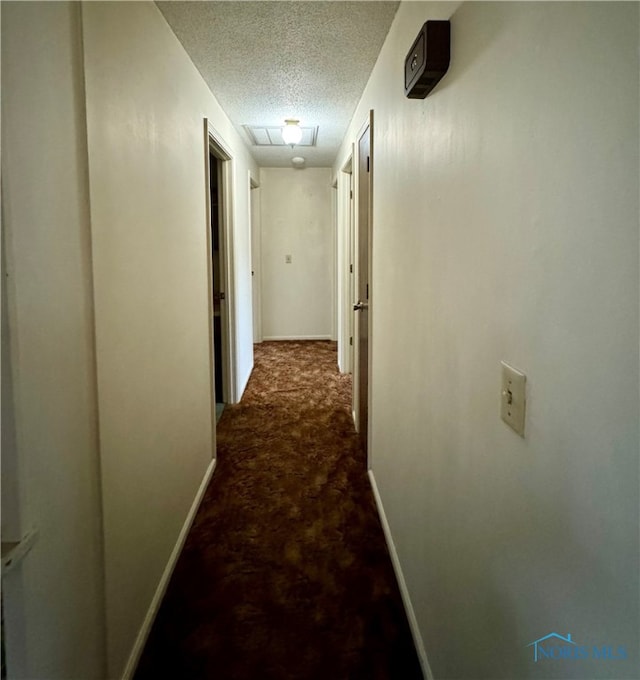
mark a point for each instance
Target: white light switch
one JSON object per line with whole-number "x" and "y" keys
{"x": 287, "y": 259}
{"x": 513, "y": 400}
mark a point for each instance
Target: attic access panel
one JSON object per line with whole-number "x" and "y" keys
{"x": 428, "y": 59}
{"x": 263, "y": 135}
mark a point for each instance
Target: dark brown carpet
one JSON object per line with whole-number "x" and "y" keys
{"x": 285, "y": 574}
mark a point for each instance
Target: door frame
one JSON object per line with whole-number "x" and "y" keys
{"x": 345, "y": 265}
{"x": 215, "y": 145}
{"x": 356, "y": 339}
{"x": 256, "y": 257}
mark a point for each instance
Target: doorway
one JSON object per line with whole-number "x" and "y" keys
{"x": 219, "y": 213}
{"x": 219, "y": 294}
{"x": 364, "y": 167}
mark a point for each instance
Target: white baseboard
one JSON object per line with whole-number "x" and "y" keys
{"x": 145, "y": 629}
{"x": 266, "y": 338}
{"x": 406, "y": 600}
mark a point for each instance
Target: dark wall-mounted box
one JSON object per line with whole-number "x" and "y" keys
{"x": 428, "y": 59}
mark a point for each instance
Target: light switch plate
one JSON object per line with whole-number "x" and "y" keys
{"x": 513, "y": 398}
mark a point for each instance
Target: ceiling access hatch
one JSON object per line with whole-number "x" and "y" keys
{"x": 261, "y": 135}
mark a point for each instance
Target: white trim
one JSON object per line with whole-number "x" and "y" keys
{"x": 212, "y": 383}
{"x": 217, "y": 142}
{"x": 297, "y": 337}
{"x": 13, "y": 552}
{"x": 344, "y": 295}
{"x": 255, "y": 229}
{"x": 334, "y": 261}
{"x": 145, "y": 629}
{"x": 230, "y": 357}
{"x": 404, "y": 591}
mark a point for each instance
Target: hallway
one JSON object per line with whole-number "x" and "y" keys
{"x": 285, "y": 573}
{"x": 503, "y": 240}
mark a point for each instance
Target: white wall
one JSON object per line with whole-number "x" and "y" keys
{"x": 146, "y": 104}
{"x": 297, "y": 220}
{"x": 505, "y": 223}
{"x": 53, "y": 602}
{"x": 106, "y": 250}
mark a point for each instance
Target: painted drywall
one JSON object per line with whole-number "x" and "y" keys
{"x": 505, "y": 227}
{"x": 296, "y": 220}
{"x": 53, "y": 603}
{"x": 146, "y": 104}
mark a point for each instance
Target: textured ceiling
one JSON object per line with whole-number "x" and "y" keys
{"x": 268, "y": 61}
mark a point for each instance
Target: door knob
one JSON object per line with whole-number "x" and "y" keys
{"x": 359, "y": 306}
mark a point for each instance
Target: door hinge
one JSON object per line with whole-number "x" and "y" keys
{"x": 351, "y": 194}
{"x": 351, "y": 340}
{"x": 350, "y": 269}
{"x": 367, "y": 291}
{"x": 368, "y": 159}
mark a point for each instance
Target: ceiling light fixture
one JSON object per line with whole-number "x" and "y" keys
{"x": 291, "y": 132}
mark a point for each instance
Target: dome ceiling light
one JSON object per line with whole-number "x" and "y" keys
{"x": 291, "y": 132}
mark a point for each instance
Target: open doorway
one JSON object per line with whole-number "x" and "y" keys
{"x": 363, "y": 293}
{"x": 219, "y": 294}
{"x": 222, "y": 345}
